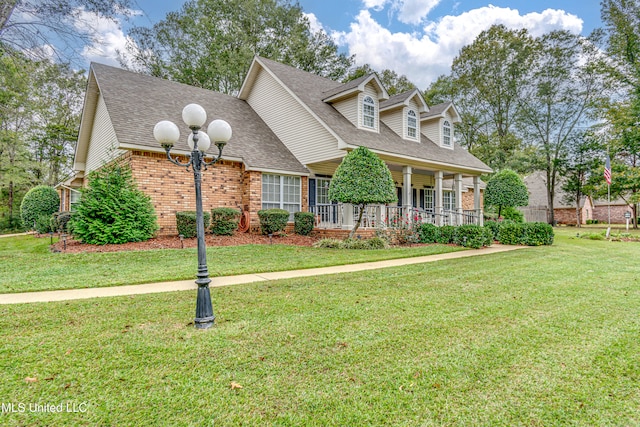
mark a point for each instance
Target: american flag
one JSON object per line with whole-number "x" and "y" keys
{"x": 607, "y": 170}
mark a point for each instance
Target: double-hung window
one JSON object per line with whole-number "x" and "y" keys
{"x": 429, "y": 199}
{"x": 449, "y": 200}
{"x": 446, "y": 133}
{"x": 412, "y": 124}
{"x": 282, "y": 192}
{"x": 369, "y": 112}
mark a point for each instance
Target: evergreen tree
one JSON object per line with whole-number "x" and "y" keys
{"x": 112, "y": 209}
{"x": 506, "y": 189}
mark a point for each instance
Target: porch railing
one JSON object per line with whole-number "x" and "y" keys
{"x": 343, "y": 216}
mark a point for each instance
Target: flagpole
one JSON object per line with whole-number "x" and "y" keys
{"x": 607, "y": 177}
{"x": 609, "y": 206}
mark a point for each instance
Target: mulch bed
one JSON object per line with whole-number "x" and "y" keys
{"x": 174, "y": 242}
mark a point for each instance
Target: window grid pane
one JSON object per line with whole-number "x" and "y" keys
{"x": 446, "y": 130}
{"x": 322, "y": 191}
{"x": 369, "y": 112}
{"x": 412, "y": 124}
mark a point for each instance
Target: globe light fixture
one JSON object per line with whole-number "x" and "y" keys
{"x": 167, "y": 134}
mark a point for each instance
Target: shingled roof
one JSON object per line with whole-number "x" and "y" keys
{"x": 312, "y": 89}
{"x": 136, "y": 102}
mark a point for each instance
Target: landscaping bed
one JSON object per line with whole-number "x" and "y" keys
{"x": 174, "y": 242}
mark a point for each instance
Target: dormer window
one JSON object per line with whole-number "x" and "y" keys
{"x": 412, "y": 124}
{"x": 446, "y": 133}
{"x": 369, "y": 112}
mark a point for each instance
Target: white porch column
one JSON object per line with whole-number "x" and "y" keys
{"x": 476, "y": 200}
{"x": 381, "y": 216}
{"x": 457, "y": 182}
{"x": 347, "y": 216}
{"x": 407, "y": 194}
{"x": 438, "y": 197}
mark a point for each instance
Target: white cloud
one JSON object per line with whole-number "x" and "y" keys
{"x": 414, "y": 11}
{"x": 108, "y": 40}
{"x": 375, "y": 4}
{"x": 314, "y": 23}
{"x": 423, "y": 56}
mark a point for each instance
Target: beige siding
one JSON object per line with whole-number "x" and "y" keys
{"x": 395, "y": 120}
{"x": 418, "y": 180}
{"x": 296, "y": 127}
{"x": 431, "y": 129}
{"x": 349, "y": 108}
{"x": 103, "y": 143}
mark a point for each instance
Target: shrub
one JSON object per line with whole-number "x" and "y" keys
{"x": 328, "y": 243}
{"x": 473, "y": 236}
{"x": 494, "y": 227}
{"x": 372, "y": 243}
{"x": 186, "y": 223}
{"x": 512, "y": 214}
{"x": 60, "y": 221}
{"x": 43, "y": 224}
{"x": 224, "y": 221}
{"x": 273, "y": 220}
{"x": 39, "y": 203}
{"x": 510, "y": 233}
{"x": 537, "y": 234}
{"x": 11, "y": 224}
{"x": 303, "y": 222}
{"x": 427, "y": 233}
{"x": 112, "y": 209}
{"x": 446, "y": 234}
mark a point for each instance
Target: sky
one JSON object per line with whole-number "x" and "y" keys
{"x": 416, "y": 38}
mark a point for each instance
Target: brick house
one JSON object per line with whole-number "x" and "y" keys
{"x": 291, "y": 130}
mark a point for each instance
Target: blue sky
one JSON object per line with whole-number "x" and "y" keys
{"x": 418, "y": 38}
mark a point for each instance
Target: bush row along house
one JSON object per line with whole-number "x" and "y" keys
{"x": 291, "y": 130}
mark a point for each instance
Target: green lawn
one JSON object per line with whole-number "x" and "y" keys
{"x": 26, "y": 264}
{"x": 541, "y": 336}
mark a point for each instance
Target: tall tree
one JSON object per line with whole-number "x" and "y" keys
{"x": 622, "y": 27}
{"x": 563, "y": 86}
{"x": 581, "y": 169}
{"x": 31, "y": 25}
{"x": 491, "y": 74}
{"x": 211, "y": 43}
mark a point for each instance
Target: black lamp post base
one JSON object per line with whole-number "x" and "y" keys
{"x": 204, "y": 312}
{"x": 204, "y": 322}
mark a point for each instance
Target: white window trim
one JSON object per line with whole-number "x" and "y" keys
{"x": 374, "y": 105}
{"x": 319, "y": 181}
{"x": 281, "y": 201}
{"x": 416, "y": 128}
{"x": 446, "y": 124}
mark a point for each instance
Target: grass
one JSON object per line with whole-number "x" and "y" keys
{"x": 51, "y": 271}
{"x": 541, "y": 336}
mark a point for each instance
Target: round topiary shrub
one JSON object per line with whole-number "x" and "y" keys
{"x": 303, "y": 223}
{"x": 224, "y": 221}
{"x": 273, "y": 220}
{"x": 37, "y": 207}
{"x": 186, "y": 223}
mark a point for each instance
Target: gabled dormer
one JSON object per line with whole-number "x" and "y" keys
{"x": 359, "y": 101}
{"x": 438, "y": 124}
{"x": 402, "y": 114}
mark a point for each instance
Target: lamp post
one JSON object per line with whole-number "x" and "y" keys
{"x": 218, "y": 131}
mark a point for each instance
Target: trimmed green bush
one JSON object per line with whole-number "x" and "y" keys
{"x": 537, "y": 234}
{"x": 186, "y": 223}
{"x": 224, "y": 221}
{"x": 273, "y": 220}
{"x": 427, "y": 233}
{"x": 372, "y": 243}
{"x": 494, "y": 227}
{"x": 44, "y": 224}
{"x": 303, "y": 222}
{"x": 473, "y": 236}
{"x": 113, "y": 210}
{"x": 37, "y": 207}
{"x": 512, "y": 214}
{"x": 447, "y": 232}
{"x": 60, "y": 221}
{"x": 510, "y": 233}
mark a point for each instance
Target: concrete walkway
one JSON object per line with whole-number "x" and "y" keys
{"x": 185, "y": 285}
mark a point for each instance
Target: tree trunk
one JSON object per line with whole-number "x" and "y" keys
{"x": 357, "y": 224}
{"x": 11, "y": 201}
{"x": 6, "y": 9}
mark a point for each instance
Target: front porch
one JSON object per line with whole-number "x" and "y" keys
{"x": 343, "y": 216}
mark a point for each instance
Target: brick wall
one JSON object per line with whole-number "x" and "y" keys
{"x": 171, "y": 187}
{"x": 601, "y": 213}
{"x": 467, "y": 199}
